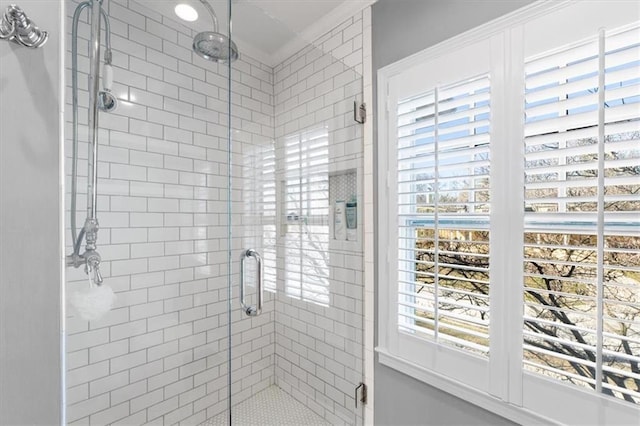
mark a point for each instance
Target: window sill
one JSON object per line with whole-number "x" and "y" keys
{"x": 501, "y": 408}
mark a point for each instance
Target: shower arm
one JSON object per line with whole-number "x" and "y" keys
{"x": 212, "y": 13}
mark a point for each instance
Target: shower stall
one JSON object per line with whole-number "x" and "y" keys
{"x": 216, "y": 186}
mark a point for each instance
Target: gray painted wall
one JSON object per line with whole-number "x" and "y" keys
{"x": 29, "y": 224}
{"x": 403, "y": 400}
{"x": 402, "y": 28}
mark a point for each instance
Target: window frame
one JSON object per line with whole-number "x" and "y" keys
{"x": 502, "y": 386}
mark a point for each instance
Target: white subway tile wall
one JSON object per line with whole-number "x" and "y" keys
{"x": 160, "y": 356}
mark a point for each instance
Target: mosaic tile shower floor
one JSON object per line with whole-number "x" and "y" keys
{"x": 271, "y": 407}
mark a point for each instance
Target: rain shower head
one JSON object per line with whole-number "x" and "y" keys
{"x": 212, "y": 45}
{"x": 215, "y": 47}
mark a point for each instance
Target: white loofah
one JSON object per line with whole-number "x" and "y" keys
{"x": 92, "y": 303}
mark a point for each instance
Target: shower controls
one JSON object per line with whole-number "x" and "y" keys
{"x": 93, "y": 266}
{"x": 16, "y": 26}
{"x": 251, "y": 310}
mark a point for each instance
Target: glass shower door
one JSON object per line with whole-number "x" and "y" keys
{"x": 158, "y": 353}
{"x": 295, "y": 252}
{"x": 210, "y": 173}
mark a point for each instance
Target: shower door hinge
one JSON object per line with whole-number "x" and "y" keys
{"x": 359, "y": 112}
{"x": 361, "y": 394}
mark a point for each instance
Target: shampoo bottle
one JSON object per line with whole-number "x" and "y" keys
{"x": 352, "y": 219}
{"x": 339, "y": 221}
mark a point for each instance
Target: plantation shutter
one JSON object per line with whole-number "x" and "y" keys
{"x": 582, "y": 214}
{"x": 443, "y": 214}
{"x": 258, "y": 202}
{"x": 306, "y": 216}
{"x": 269, "y": 206}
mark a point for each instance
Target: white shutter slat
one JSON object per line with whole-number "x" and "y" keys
{"x": 420, "y": 101}
{"x": 561, "y": 57}
{"x": 579, "y": 88}
{"x": 465, "y": 114}
{"x": 462, "y": 179}
{"x": 550, "y": 310}
{"x": 407, "y": 190}
{"x": 477, "y": 139}
{"x": 410, "y": 140}
{"x": 584, "y": 67}
{"x": 549, "y": 108}
{"x": 558, "y": 340}
{"x": 590, "y": 132}
{"x": 424, "y": 126}
{"x": 450, "y": 102}
{"x": 560, "y": 74}
{"x": 574, "y": 121}
{"x": 454, "y": 130}
{"x": 559, "y": 153}
{"x": 548, "y": 171}
{"x": 450, "y": 289}
{"x": 554, "y": 371}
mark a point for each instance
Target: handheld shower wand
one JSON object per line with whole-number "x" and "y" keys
{"x": 107, "y": 100}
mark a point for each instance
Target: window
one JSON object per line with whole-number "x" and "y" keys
{"x": 511, "y": 214}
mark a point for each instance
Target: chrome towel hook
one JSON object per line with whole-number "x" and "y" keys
{"x": 16, "y": 26}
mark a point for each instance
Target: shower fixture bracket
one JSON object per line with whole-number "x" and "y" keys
{"x": 16, "y": 26}
{"x": 75, "y": 260}
{"x": 361, "y": 394}
{"x": 91, "y": 260}
{"x": 91, "y": 231}
{"x": 359, "y": 112}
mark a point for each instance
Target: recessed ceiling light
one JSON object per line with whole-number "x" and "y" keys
{"x": 186, "y": 12}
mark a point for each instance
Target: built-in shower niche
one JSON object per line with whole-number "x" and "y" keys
{"x": 308, "y": 205}
{"x": 343, "y": 187}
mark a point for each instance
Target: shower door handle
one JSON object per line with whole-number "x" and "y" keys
{"x": 252, "y": 310}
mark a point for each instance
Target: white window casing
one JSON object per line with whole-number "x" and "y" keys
{"x": 511, "y": 154}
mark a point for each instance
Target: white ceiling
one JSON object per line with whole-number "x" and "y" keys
{"x": 268, "y": 30}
